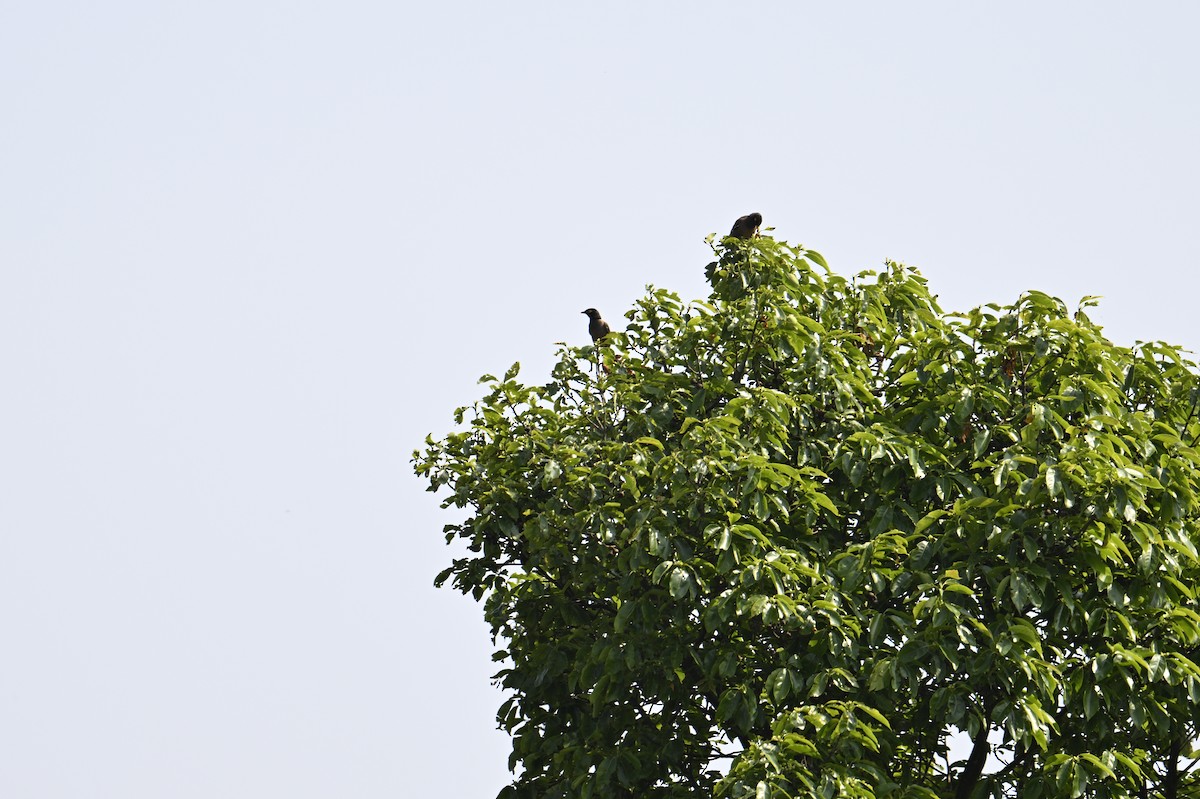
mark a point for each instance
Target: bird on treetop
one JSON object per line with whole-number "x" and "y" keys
{"x": 597, "y": 327}
{"x": 746, "y": 227}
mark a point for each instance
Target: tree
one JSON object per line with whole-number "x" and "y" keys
{"x": 799, "y": 535}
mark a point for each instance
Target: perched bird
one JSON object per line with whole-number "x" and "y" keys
{"x": 746, "y": 227}
{"x": 597, "y": 327}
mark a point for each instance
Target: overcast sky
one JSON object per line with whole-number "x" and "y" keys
{"x": 251, "y": 253}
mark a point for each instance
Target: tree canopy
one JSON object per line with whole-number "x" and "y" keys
{"x": 792, "y": 540}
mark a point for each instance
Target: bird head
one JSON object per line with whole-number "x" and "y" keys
{"x": 591, "y": 313}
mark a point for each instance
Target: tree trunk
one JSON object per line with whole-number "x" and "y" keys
{"x": 1171, "y": 778}
{"x": 975, "y": 763}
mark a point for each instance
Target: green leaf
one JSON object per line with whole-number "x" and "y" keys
{"x": 823, "y": 501}
{"x": 779, "y": 684}
{"x": 681, "y": 582}
{"x": 980, "y": 443}
{"x": 1052, "y": 481}
{"x": 928, "y": 519}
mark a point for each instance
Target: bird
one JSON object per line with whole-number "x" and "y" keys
{"x": 597, "y": 327}
{"x": 746, "y": 227}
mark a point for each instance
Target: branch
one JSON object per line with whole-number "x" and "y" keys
{"x": 975, "y": 763}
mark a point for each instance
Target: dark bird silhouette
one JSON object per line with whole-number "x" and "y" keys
{"x": 597, "y": 327}
{"x": 746, "y": 227}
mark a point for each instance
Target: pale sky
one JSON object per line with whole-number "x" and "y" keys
{"x": 252, "y": 253}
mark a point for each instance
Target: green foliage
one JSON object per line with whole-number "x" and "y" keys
{"x": 785, "y": 542}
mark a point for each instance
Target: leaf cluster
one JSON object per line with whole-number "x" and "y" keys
{"x": 788, "y": 541}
